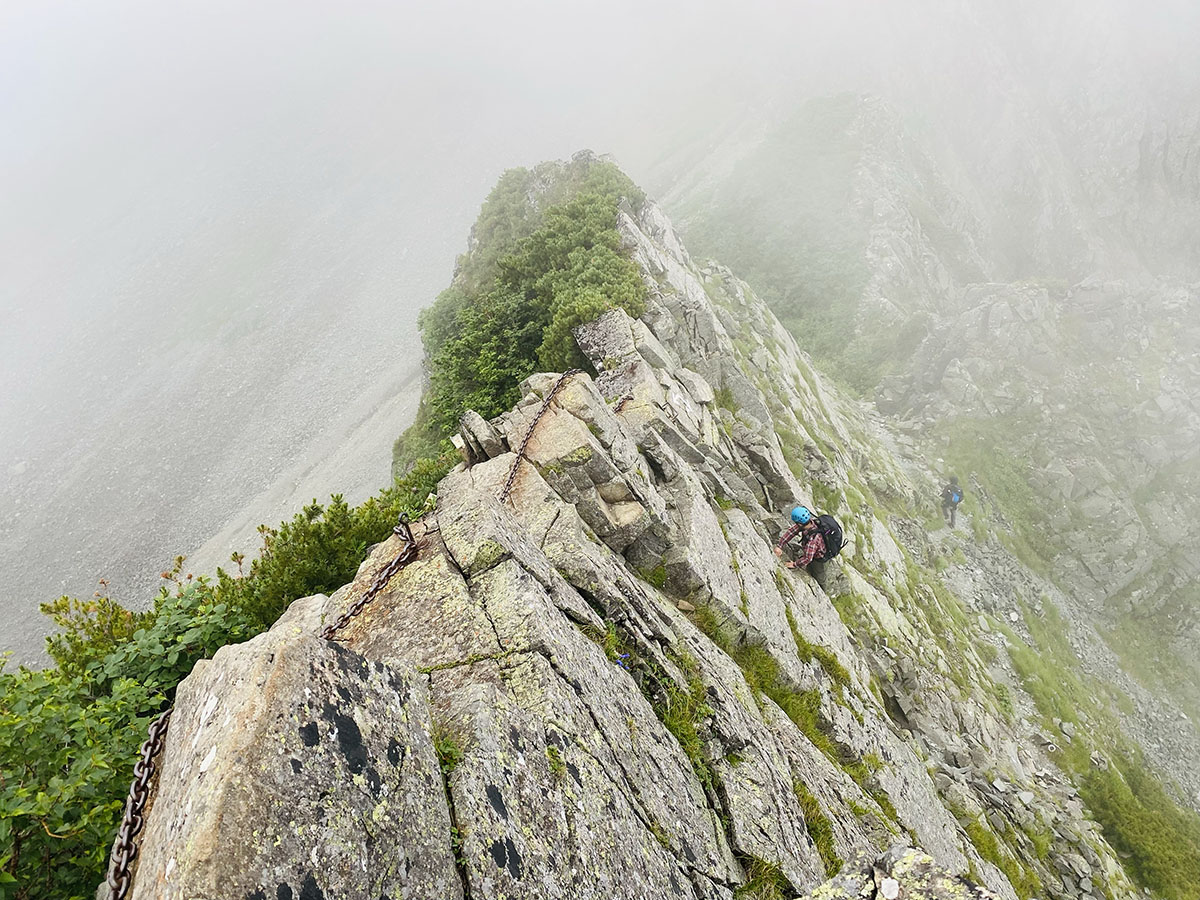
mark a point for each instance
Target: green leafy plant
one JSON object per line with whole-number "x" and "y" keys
{"x": 545, "y": 260}
{"x": 69, "y": 735}
{"x": 67, "y": 750}
{"x": 448, "y": 751}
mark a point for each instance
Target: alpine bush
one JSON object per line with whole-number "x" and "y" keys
{"x": 69, "y": 735}
{"x": 546, "y": 256}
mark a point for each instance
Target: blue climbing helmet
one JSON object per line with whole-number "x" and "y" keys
{"x": 801, "y": 515}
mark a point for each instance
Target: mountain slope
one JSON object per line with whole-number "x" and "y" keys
{"x": 1070, "y": 393}
{"x": 619, "y": 690}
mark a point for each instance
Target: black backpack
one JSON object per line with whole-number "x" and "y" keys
{"x": 831, "y": 531}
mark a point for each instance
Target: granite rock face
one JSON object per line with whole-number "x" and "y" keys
{"x": 1022, "y": 270}
{"x": 607, "y": 686}
{"x": 901, "y": 872}
{"x": 296, "y": 765}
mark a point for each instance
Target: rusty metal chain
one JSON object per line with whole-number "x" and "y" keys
{"x": 125, "y": 848}
{"x": 408, "y": 552}
{"x": 124, "y": 851}
{"x": 512, "y": 474}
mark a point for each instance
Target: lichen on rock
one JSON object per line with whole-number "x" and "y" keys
{"x": 606, "y": 686}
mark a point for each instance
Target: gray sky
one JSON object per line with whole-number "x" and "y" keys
{"x": 156, "y": 157}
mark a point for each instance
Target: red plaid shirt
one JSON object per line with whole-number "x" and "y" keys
{"x": 812, "y": 546}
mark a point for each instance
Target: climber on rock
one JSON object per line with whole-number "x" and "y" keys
{"x": 820, "y": 538}
{"x": 952, "y": 495}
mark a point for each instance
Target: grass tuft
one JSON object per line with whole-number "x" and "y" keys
{"x": 820, "y": 829}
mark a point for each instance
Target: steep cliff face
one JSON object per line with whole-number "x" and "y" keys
{"x": 606, "y": 685}
{"x": 1083, "y": 371}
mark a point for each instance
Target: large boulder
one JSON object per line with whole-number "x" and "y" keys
{"x": 297, "y": 767}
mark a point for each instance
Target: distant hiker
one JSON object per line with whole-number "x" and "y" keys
{"x": 820, "y": 538}
{"x": 951, "y": 496}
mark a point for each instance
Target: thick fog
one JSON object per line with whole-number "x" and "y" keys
{"x": 218, "y": 220}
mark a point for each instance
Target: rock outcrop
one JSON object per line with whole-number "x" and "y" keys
{"x": 1025, "y": 279}
{"x": 901, "y": 872}
{"x": 607, "y": 687}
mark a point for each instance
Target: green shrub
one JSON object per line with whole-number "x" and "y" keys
{"x": 480, "y": 365}
{"x": 567, "y": 273}
{"x": 69, "y": 735}
{"x": 574, "y": 268}
{"x": 67, "y": 750}
{"x": 320, "y": 549}
{"x": 516, "y": 207}
{"x": 1159, "y": 841}
{"x": 542, "y": 264}
{"x": 90, "y": 629}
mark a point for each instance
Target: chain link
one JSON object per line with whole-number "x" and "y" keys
{"x": 408, "y": 552}
{"x": 512, "y": 473}
{"x": 125, "y": 849}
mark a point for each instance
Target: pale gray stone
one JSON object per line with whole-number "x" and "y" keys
{"x": 293, "y": 764}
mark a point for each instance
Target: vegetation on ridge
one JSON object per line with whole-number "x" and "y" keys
{"x": 1158, "y": 839}
{"x": 536, "y": 271}
{"x": 116, "y": 669}
{"x": 546, "y": 256}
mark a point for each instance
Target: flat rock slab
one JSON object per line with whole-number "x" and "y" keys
{"x": 296, "y": 768}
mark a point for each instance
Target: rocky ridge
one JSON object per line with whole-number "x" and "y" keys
{"x": 1032, "y": 279}
{"x": 607, "y": 687}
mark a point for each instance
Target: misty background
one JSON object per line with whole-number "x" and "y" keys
{"x": 218, "y": 221}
